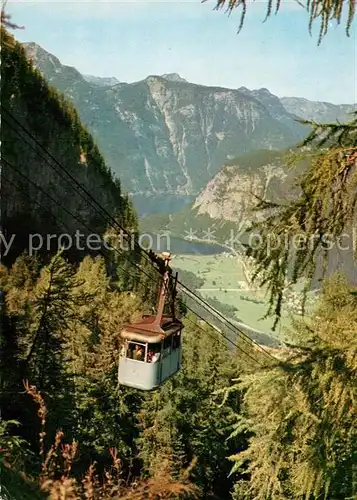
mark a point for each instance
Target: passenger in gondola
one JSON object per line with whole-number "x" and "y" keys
{"x": 138, "y": 353}
{"x": 155, "y": 357}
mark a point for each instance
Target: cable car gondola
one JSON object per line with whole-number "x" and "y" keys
{"x": 151, "y": 352}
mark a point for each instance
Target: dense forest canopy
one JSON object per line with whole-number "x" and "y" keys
{"x": 40, "y": 132}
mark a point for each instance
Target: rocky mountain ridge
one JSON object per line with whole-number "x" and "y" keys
{"x": 109, "y": 81}
{"x": 164, "y": 135}
{"x": 298, "y": 106}
{"x": 318, "y": 111}
{"x": 167, "y": 138}
{"x": 228, "y": 201}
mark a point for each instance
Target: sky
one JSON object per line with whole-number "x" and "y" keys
{"x": 133, "y": 39}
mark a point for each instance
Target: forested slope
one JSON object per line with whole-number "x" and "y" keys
{"x": 29, "y": 104}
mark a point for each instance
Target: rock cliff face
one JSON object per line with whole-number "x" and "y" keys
{"x": 32, "y": 182}
{"x": 230, "y": 194}
{"x": 227, "y": 202}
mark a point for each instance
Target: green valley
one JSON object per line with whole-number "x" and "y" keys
{"x": 226, "y": 278}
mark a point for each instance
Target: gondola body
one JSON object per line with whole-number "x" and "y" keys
{"x": 152, "y": 347}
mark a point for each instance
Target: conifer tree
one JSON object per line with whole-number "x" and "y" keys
{"x": 322, "y": 10}
{"x": 103, "y": 413}
{"x": 38, "y": 310}
{"x": 183, "y": 420}
{"x": 51, "y": 311}
{"x": 302, "y": 413}
{"x": 296, "y": 237}
{"x": 17, "y": 284}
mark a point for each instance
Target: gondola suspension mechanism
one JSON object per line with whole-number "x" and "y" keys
{"x": 160, "y": 335}
{"x": 151, "y": 352}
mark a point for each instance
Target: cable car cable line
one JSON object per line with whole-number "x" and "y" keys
{"x": 196, "y": 325}
{"x": 151, "y": 255}
{"x": 224, "y": 336}
{"x": 56, "y": 218}
{"x": 207, "y": 306}
{"x": 225, "y": 320}
{"x": 247, "y": 340}
{"x": 207, "y": 332}
{"x": 71, "y": 215}
{"x": 141, "y": 249}
{"x": 106, "y": 257}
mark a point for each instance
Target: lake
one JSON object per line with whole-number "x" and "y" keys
{"x": 162, "y": 243}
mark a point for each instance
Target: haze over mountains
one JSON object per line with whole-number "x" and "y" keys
{"x": 227, "y": 202}
{"x": 101, "y": 81}
{"x": 167, "y": 138}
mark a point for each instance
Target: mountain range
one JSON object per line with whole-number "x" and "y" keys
{"x": 166, "y": 138}
{"x": 101, "y": 81}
